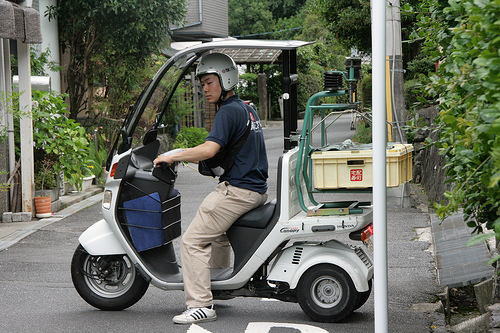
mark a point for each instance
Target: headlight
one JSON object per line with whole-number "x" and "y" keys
{"x": 106, "y": 201}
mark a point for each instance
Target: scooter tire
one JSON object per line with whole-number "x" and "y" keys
{"x": 326, "y": 293}
{"x": 110, "y": 283}
{"x": 363, "y": 296}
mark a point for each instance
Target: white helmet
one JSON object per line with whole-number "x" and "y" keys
{"x": 223, "y": 66}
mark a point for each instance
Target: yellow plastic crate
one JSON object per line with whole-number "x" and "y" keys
{"x": 353, "y": 168}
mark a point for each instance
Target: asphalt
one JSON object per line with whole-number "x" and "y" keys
{"x": 447, "y": 240}
{"x": 407, "y": 278}
{"x": 453, "y": 261}
{"x": 13, "y": 232}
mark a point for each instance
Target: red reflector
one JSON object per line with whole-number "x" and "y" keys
{"x": 113, "y": 170}
{"x": 367, "y": 233}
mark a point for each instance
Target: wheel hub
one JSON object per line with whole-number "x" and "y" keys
{"x": 327, "y": 292}
{"x": 109, "y": 278}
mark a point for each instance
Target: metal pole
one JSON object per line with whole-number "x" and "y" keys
{"x": 287, "y": 117}
{"x": 379, "y": 167}
{"x": 293, "y": 97}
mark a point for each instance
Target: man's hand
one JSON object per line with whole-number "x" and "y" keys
{"x": 199, "y": 153}
{"x": 163, "y": 159}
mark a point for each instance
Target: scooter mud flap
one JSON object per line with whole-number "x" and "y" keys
{"x": 99, "y": 239}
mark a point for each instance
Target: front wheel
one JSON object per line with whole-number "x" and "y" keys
{"x": 326, "y": 293}
{"x": 106, "y": 282}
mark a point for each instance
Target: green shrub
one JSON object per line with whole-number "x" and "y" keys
{"x": 365, "y": 91}
{"x": 189, "y": 137}
{"x": 61, "y": 144}
{"x": 420, "y": 65}
{"x": 412, "y": 91}
{"x": 363, "y": 132}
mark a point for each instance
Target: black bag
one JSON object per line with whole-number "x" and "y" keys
{"x": 223, "y": 160}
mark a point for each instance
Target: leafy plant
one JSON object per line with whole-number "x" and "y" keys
{"x": 109, "y": 40}
{"x": 363, "y": 132}
{"x": 97, "y": 155}
{"x": 44, "y": 177}
{"x": 59, "y": 141}
{"x": 189, "y": 137}
{"x": 365, "y": 91}
{"x": 463, "y": 37}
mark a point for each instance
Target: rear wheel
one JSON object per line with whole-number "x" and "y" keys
{"x": 363, "y": 296}
{"x": 326, "y": 293}
{"x": 107, "y": 282}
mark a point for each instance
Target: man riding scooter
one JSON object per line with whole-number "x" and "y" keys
{"x": 242, "y": 183}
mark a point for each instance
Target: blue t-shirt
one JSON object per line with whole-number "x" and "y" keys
{"x": 250, "y": 164}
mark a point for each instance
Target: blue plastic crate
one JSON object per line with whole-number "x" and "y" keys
{"x": 152, "y": 223}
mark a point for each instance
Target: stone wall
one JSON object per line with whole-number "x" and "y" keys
{"x": 428, "y": 165}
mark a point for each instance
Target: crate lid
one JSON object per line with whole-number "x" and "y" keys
{"x": 393, "y": 150}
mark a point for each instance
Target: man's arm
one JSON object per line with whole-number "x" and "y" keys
{"x": 199, "y": 153}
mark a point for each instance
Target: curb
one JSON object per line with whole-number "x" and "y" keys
{"x": 72, "y": 205}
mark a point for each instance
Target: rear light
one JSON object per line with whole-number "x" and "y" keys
{"x": 367, "y": 232}
{"x": 113, "y": 170}
{"x": 363, "y": 234}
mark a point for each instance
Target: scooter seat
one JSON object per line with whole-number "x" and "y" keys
{"x": 258, "y": 217}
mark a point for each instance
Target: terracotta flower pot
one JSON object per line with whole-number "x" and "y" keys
{"x": 43, "y": 207}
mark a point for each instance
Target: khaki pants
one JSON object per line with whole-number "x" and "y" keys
{"x": 205, "y": 244}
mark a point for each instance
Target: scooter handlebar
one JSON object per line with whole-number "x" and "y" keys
{"x": 171, "y": 152}
{"x": 164, "y": 165}
{"x": 165, "y": 172}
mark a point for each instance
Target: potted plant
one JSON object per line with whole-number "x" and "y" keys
{"x": 61, "y": 145}
{"x": 60, "y": 139}
{"x": 43, "y": 202}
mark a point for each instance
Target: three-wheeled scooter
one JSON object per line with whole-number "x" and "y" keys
{"x": 120, "y": 255}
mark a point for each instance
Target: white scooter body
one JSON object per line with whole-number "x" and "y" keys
{"x": 328, "y": 279}
{"x": 106, "y": 238}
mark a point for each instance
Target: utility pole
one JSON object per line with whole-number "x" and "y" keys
{"x": 379, "y": 134}
{"x": 397, "y": 113}
{"x": 26, "y": 126}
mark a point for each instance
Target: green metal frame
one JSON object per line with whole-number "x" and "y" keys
{"x": 304, "y": 162}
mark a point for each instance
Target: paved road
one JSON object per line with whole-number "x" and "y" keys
{"x": 36, "y": 293}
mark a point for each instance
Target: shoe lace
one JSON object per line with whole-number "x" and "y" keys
{"x": 196, "y": 313}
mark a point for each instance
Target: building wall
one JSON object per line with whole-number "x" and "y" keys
{"x": 193, "y": 12}
{"x": 214, "y": 21}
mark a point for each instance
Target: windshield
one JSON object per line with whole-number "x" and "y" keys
{"x": 165, "y": 101}
{"x": 158, "y": 104}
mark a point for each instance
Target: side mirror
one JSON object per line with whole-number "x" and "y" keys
{"x": 126, "y": 141}
{"x": 150, "y": 136}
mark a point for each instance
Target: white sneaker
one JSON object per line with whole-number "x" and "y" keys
{"x": 195, "y": 315}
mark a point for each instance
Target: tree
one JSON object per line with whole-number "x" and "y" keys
{"x": 463, "y": 36}
{"x": 312, "y": 61}
{"x": 348, "y": 20}
{"x": 110, "y": 34}
{"x": 285, "y": 8}
{"x": 250, "y": 18}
